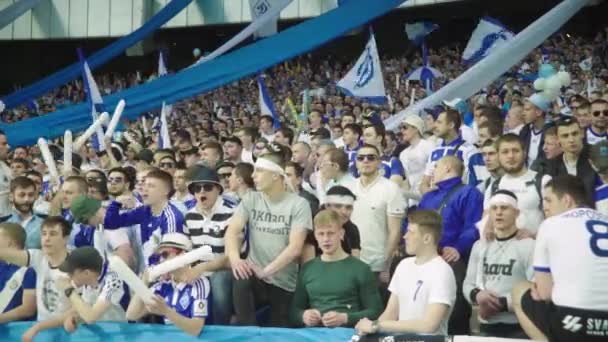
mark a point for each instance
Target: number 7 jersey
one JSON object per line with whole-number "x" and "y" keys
{"x": 573, "y": 248}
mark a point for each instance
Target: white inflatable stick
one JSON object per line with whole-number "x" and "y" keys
{"x": 136, "y": 284}
{"x": 67, "y": 152}
{"x": 103, "y": 118}
{"x": 200, "y": 254}
{"x": 48, "y": 158}
{"x": 115, "y": 118}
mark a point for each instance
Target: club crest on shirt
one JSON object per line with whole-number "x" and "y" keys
{"x": 13, "y": 285}
{"x": 184, "y": 301}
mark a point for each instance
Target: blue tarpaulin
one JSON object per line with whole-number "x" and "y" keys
{"x": 210, "y": 75}
{"x": 116, "y": 332}
{"x": 97, "y": 59}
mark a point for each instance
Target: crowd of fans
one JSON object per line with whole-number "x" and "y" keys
{"x": 325, "y": 218}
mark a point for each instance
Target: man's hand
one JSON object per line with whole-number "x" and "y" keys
{"x": 29, "y": 334}
{"x": 127, "y": 201}
{"x": 158, "y": 306}
{"x": 70, "y": 324}
{"x": 334, "y": 319}
{"x": 311, "y": 317}
{"x": 450, "y": 254}
{"x": 241, "y": 269}
{"x": 258, "y": 271}
{"x": 489, "y": 304}
{"x": 364, "y": 327}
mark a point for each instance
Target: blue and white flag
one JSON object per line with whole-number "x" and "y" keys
{"x": 417, "y": 31}
{"x": 365, "y": 80}
{"x": 95, "y": 100}
{"x": 164, "y": 140}
{"x": 425, "y": 74}
{"x": 266, "y": 105}
{"x": 489, "y": 36}
{"x": 260, "y": 7}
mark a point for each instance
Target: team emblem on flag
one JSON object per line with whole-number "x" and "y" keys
{"x": 365, "y": 72}
{"x": 261, "y": 7}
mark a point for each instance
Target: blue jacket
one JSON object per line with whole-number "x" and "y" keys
{"x": 460, "y": 214}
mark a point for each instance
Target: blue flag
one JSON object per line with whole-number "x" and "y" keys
{"x": 417, "y": 31}
{"x": 487, "y": 37}
{"x": 365, "y": 80}
{"x": 266, "y": 105}
{"x": 95, "y": 101}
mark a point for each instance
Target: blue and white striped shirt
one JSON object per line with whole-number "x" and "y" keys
{"x": 474, "y": 166}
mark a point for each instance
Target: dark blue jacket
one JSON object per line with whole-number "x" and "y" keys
{"x": 460, "y": 214}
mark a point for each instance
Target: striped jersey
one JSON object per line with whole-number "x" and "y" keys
{"x": 474, "y": 166}
{"x": 152, "y": 228}
{"x": 210, "y": 230}
{"x": 109, "y": 288}
{"x": 191, "y": 300}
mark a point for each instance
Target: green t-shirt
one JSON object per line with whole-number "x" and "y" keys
{"x": 270, "y": 224}
{"x": 345, "y": 286}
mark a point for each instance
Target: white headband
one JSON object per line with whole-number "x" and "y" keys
{"x": 339, "y": 199}
{"x": 269, "y": 165}
{"x": 503, "y": 199}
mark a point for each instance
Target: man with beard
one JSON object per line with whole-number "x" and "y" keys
{"x": 23, "y": 195}
{"x": 517, "y": 178}
{"x": 598, "y": 131}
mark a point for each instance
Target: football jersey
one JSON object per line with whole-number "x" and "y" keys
{"x": 111, "y": 289}
{"x": 594, "y": 138}
{"x": 573, "y": 248}
{"x": 475, "y": 170}
{"x": 28, "y": 282}
{"x": 189, "y": 300}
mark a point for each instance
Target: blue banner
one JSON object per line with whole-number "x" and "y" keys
{"x": 14, "y": 11}
{"x": 97, "y": 59}
{"x": 155, "y": 332}
{"x": 208, "y": 76}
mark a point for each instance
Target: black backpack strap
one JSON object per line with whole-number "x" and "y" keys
{"x": 448, "y": 196}
{"x": 495, "y": 185}
{"x": 457, "y": 147}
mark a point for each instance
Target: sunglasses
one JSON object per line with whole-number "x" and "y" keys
{"x": 369, "y": 157}
{"x": 224, "y": 175}
{"x": 602, "y": 112}
{"x": 197, "y": 187}
{"x": 94, "y": 179}
{"x": 166, "y": 165}
{"x": 115, "y": 180}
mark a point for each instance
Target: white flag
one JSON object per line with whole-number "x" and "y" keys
{"x": 365, "y": 80}
{"x": 164, "y": 140}
{"x": 162, "y": 68}
{"x": 488, "y": 36}
{"x": 258, "y": 9}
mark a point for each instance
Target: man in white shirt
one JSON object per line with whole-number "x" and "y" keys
{"x": 517, "y": 178}
{"x": 333, "y": 170}
{"x": 95, "y": 292}
{"x": 377, "y": 212}
{"x": 415, "y": 156}
{"x": 568, "y": 300}
{"x": 5, "y": 176}
{"x": 51, "y": 303}
{"x": 423, "y": 288}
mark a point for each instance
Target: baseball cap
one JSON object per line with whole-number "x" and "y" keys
{"x": 83, "y": 208}
{"x": 145, "y": 155}
{"x": 82, "y": 258}
{"x": 415, "y": 121}
{"x": 598, "y": 155}
{"x": 175, "y": 240}
{"x": 540, "y": 102}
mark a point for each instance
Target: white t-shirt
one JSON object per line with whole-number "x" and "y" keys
{"x": 50, "y": 301}
{"x": 374, "y": 204}
{"x": 414, "y": 159}
{"x": 573, "y": 248}
{"x": 5, "y": 181}
{"x": 110, "y": 289}
{"x": 417, "y": 286}
{"x": 528, "y": 200}
{"x": 247, "y": 156}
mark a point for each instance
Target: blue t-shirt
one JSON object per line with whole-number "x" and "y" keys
{"x": 29, "y": 283}
{"x": 189, "y": 300}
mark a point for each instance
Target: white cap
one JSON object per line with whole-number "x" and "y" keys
{"x": 415, "y": 121}
{"x": 175, "y": 240}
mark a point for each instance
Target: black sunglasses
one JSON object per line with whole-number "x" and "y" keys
{"x": 369, "y": 157}
{"x": 224, "y": 175}
{"x": 166, "y": 165}
{"x": 197, "y": 187}
{"x": 598, "y": 112}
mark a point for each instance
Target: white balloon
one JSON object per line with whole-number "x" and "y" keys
{"x": 196, "y": 52}
{"x": 540, "y": 83}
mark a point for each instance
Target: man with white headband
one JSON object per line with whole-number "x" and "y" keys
{"x": 277, "y": 223}
{"x": 496, "y": 266}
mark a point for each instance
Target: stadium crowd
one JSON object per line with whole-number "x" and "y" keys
{"x": 498, "y": 202}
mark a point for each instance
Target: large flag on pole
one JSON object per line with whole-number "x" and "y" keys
{"x": 417, "y": 31}
{"x": 489, "y": 35}
{"x": 258, "y": 9}
{"x": 365, "y": 80}
{"x": 95, "y": 100}
{"x": 266, "y": 105}
{"x": 164, "y": 140}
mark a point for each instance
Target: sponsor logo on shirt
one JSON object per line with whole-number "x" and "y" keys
{"x": 597, "y": 326}
{"x": 571, "y": 323}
